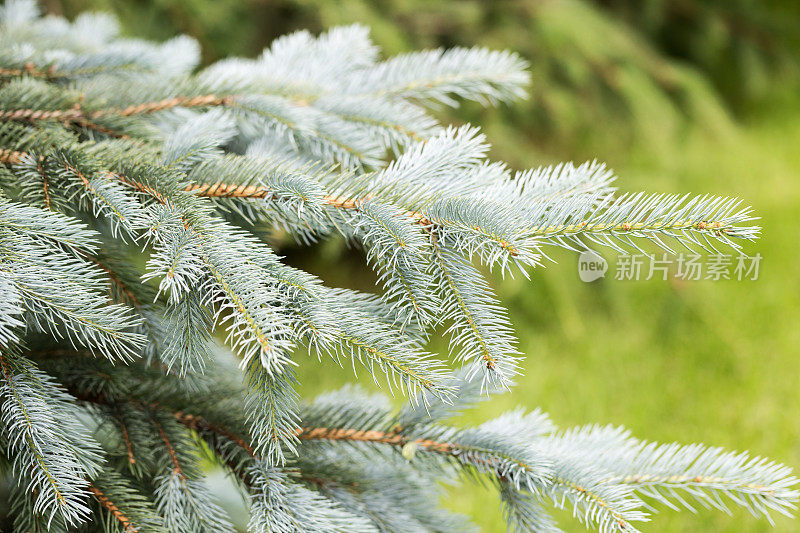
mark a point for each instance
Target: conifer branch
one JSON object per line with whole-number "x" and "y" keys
{"x": 28, "y": 69}
{"x": 126, "y": 437}
{"x": 77, "y": 115}
{"x": 207, "y": 100}
{"x": 110, "y": 146}
{"x": 668, "y": 224}
{"x": 113, "y": 509}
{"x": 170, "y": 449}
{"x": 74, "y": 116}
{"x": 115, "y": 279}
{"x": 45, "y": 185}
{"x": 199, "y": 424}
{"x": 379, "y": 437}
{"x": 11, "y": 157}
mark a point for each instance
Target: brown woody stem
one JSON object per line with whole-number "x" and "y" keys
{"x": 112, "y": 507}
{"x": 380, "y": 437}
{"x": 76, "y": 115}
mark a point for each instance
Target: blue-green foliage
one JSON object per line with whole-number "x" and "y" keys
{"x": 113, "y": 378}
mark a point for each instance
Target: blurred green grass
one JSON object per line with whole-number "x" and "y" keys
{"x": 715, "y": 362}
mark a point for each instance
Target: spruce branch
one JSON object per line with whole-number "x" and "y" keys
{"x": 584, "y": 466}
{"x": 113, "y": 509}
{"x": 111, "y": 148}
{"x": 400, "y": 366}
{"x": 51, "y": 453}
{"x": 78, "y": 116}
{"x": 478, "y": 325}
{"x": 614, "y": 222}
{"x": 669, "y": 473}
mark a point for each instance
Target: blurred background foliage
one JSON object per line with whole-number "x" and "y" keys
{"x": 676, "y": 95}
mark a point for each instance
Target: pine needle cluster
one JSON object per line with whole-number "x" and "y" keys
{"x": 115, "y": 381}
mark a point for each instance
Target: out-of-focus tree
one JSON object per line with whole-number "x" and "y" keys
{"x": 741, "y": 45}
